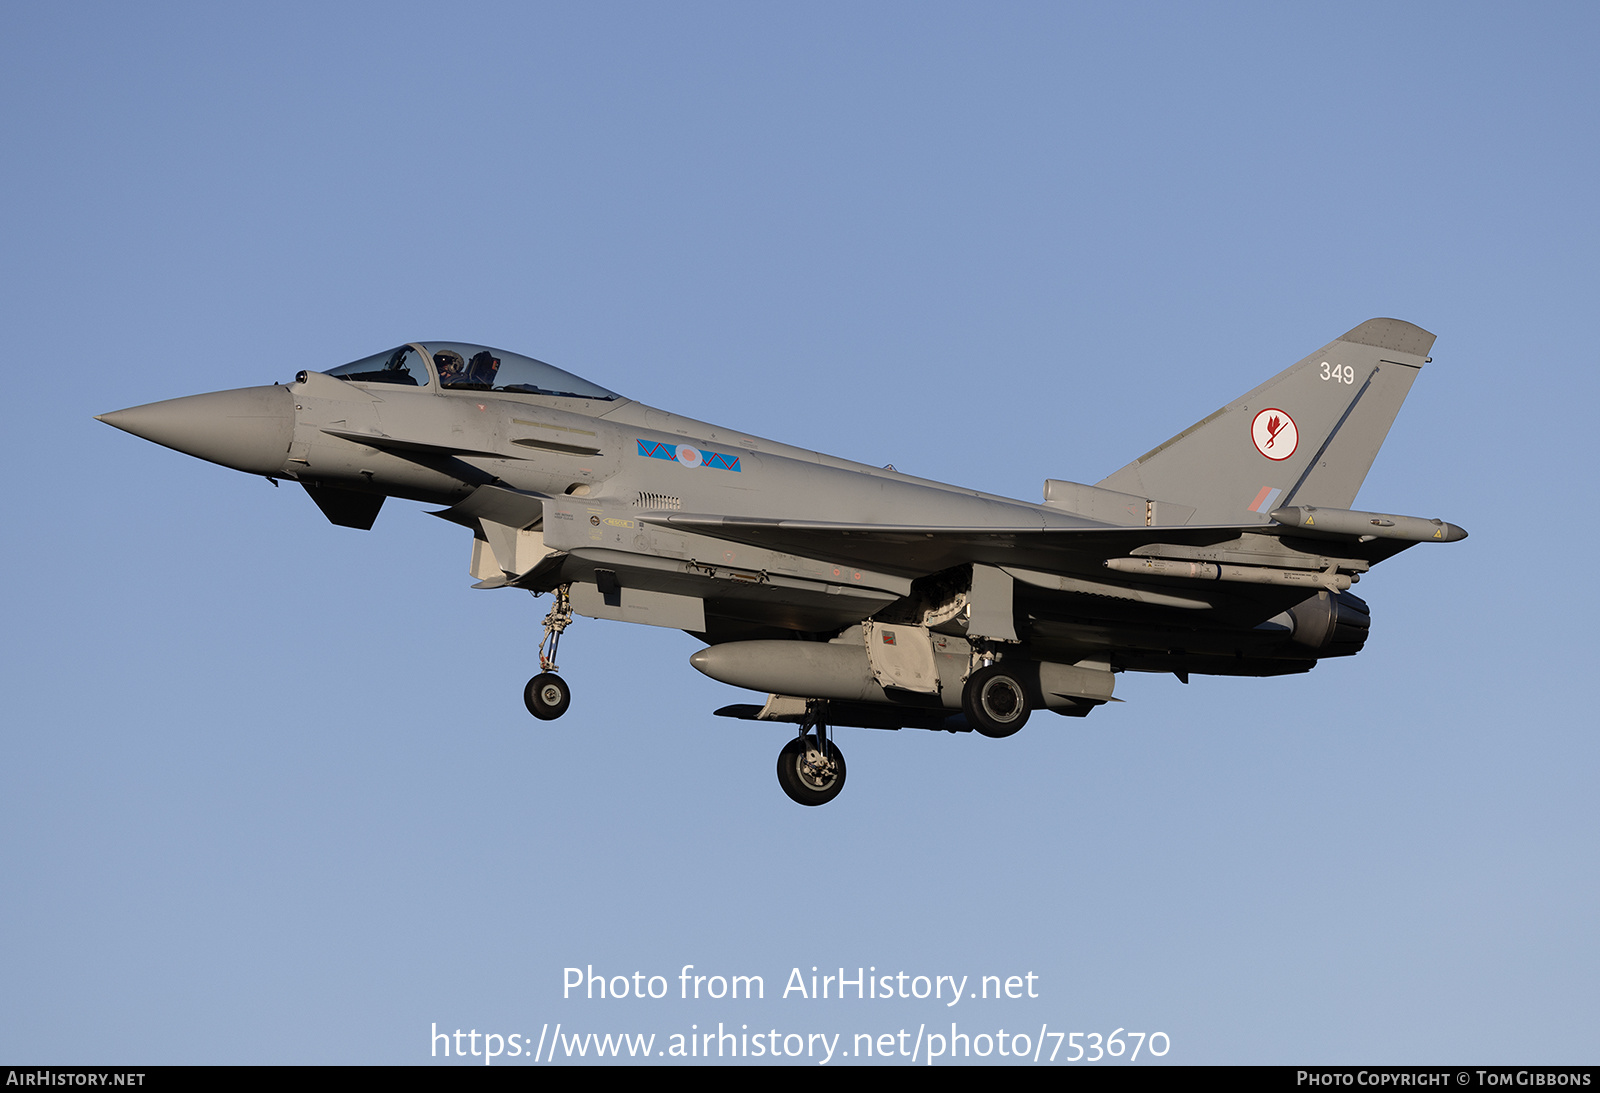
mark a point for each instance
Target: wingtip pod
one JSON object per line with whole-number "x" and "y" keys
{"x": 1367, "y": 525}
{"x": 1395, "y": 335}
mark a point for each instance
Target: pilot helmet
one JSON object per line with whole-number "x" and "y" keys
{"x": 449, "y": 363}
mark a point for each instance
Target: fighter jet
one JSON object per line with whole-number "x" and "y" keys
{"x": 853, "y": 595}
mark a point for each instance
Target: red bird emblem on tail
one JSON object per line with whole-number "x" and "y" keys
{"x": 1275, "y": 434}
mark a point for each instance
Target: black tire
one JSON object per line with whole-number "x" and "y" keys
{"x": 799, "y": 782}
{"x": 995, "y": 702}
{"x": 547, "y": 696}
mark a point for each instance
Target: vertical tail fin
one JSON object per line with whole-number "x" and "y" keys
{"x": 1307, "y": 436}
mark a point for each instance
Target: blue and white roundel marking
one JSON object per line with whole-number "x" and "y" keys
{"x": 688, "y": 455}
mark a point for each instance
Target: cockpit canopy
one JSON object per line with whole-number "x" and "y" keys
{"x": 461, "y": 366}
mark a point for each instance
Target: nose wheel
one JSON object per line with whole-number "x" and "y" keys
{"x": 811, "y": 767}
{"x": 547, "y": 695}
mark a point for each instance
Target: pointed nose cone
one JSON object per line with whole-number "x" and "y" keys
{"x": 248, "y": 429}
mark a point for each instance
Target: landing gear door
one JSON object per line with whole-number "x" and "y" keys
{"x": 901, "y": 656}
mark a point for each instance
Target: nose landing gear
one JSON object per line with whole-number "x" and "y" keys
{"x": 547, "y": 695}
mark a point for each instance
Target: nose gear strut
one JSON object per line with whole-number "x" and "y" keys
{"x": 555, "y": 623}
{"x": 547, "y": 695}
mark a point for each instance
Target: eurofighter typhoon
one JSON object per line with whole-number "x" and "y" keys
{"x": 848, "y": 594}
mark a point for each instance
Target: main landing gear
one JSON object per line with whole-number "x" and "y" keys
{"x": 995, "y": 702}
{"x": 811, "y": 767}
{"x": 547, "y": 695}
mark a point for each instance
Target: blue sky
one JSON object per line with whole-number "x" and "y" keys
{"x": 268, "y": 791}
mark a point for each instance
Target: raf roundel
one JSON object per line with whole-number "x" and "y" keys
{"x": 688, "y": 455}
{"x": 1274, "y": 434}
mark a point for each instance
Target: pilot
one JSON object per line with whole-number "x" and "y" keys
{"x": 483, "y": 367}
{"x": 450, "y": 364}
